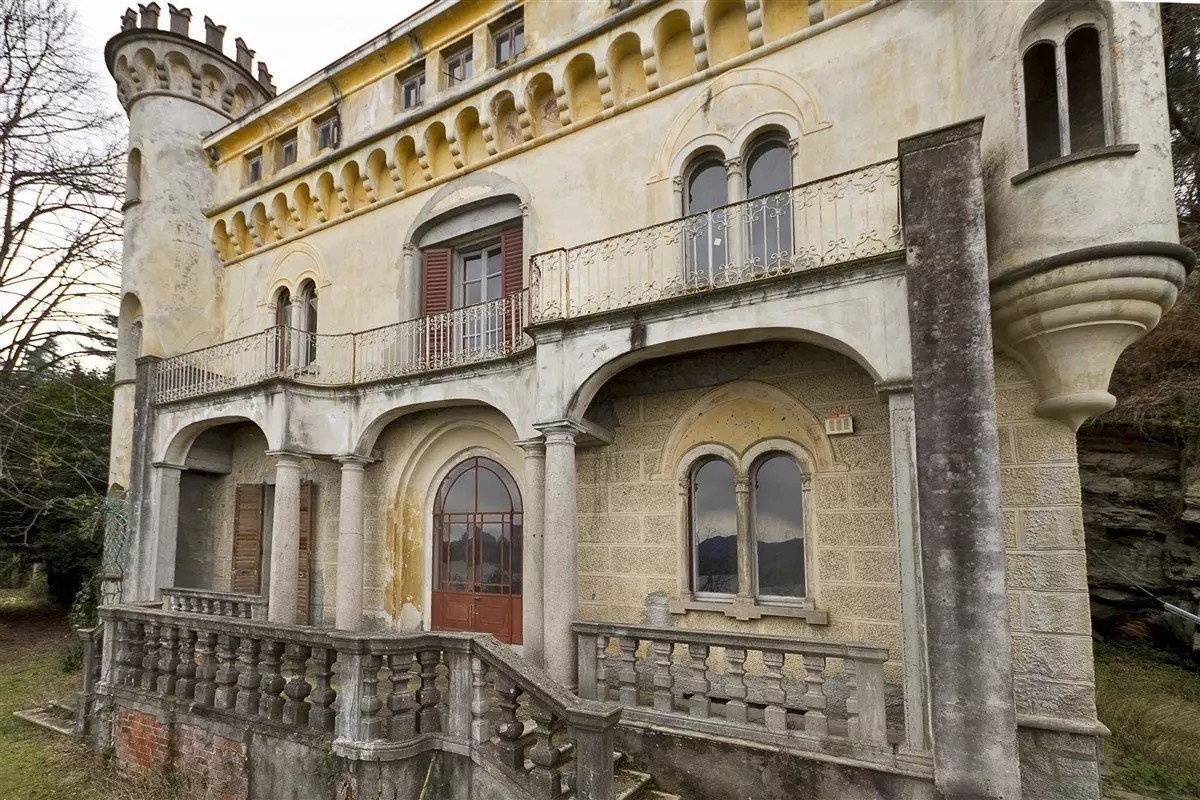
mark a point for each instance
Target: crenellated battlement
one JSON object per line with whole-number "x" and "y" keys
{"x": 147, "y": 60}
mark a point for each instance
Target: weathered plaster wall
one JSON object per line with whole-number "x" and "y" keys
{"x": 630, "y": 528}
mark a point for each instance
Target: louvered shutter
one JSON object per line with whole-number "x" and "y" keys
{"x": 304, "y": 566}
{"x": 437, "y": 297}
{"x": 512, "y": 269}
{"x": 247, "y": 538}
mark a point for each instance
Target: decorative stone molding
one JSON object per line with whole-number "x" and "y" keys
{"x": 1068, "y": 318}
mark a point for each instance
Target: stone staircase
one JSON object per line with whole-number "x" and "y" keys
{"x": 629, "y": 784}
{"x": 56, "y": 717}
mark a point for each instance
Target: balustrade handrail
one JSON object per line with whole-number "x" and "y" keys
{"x": 258, "y": 671}
{"x": 211, "y": 602}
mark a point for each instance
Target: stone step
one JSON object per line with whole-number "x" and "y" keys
{"x": 68, "y": 704}
{"x": 50, "y": 717}
{"x": 628, "y": 784}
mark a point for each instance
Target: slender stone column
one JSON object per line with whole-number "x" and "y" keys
{"x": 745, "y": 542}
{"x": 954, "y": 394}
{"x": 285, "y": 538}
{"x": 532, "y": 545}
{"x": 349, "y": 611}
{"x": 561, "y": 587}
{"x": 908, "y": 536}
{"x": 166, "y": 517}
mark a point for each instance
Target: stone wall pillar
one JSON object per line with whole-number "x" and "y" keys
{"x": 954, "y": 395}
{"x": 285, "y": 539}
{"x": 349, "y": 609}
{"x": 166, "y": 526}
{"x": 532, "y": 545}
{"x": 561, "y": 546}
{"x": 902, "y": 423}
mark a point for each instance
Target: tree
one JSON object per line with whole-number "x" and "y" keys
{"x": 60, "y": 179}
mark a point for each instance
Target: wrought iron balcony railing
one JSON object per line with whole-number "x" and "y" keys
{"x": 468, "y": 335}
{"x": 835, "y": 220}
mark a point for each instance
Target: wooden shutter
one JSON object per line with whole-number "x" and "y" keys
{"x": 247, "y": 538}
{"x": 304, "y": 565}
{"x": 436, "y": 294}
{"x": 512, "y": 260}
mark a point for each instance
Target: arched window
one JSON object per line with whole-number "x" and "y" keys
{"x": 769, "y": 212}
{"x": 133, "y": 177}
{"x": 283, "y": 321}
{"x": 477, "y": 530}
{"x": 706, "y": 238}
{"x": 306, "y": 324}
{"x": 714, "y": 528}
{"x": 1063, "y": 81}
{"x": 777, "y": 520}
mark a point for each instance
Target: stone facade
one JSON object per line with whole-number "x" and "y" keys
{"x": 341, "y": 298}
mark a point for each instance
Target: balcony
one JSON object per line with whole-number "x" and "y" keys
{"x": 836, "y": 220}
{"x": 469, "y": 335}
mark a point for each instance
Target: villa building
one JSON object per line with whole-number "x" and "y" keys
{"x": 722, "y": 359}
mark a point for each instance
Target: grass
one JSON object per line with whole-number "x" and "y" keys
{"x": 1151, "y": 703}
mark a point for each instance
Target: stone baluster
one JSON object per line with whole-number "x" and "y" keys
{"x": 627, "y": 673}
{"x": 815, "y": 721}
{"x": 700, "y": 705}
{"x": 664, "y": 690}
{"x": 297, "y": 690}
{"x": 168, "y": 660}
{"x": 401, "y": 701}
{"x": 150, "y": 658}
{"x": 601, "y": 690}
{"x": 864, "y": 681}
{"x": 508, "y": 729}
{"x": 370, "y": 725}
{"x": 428, "y": 695}
{"x": 546, "y": 776}
{"x": 590, "y": 651}
{"x": 248, "y": 678}
{"x": 321, "y": 713}
{"x": 735, "y": 709}
{"x": 458, "y": 695}
{"x": 185, "y": 671}
{"x": 270, "y": 703}
{"x": 227, "y": 673}
{"x": 121, "y": 657}
{"x": 480, "y": 726}
{"x": 774, "y": 715}
{"x": 206, "y": 668}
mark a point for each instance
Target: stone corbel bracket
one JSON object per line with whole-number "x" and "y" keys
{"x": 1067, "y": 318}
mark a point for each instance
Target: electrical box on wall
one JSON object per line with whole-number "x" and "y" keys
{"x": 839, "y": 422}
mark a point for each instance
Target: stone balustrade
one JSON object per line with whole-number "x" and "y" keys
{"x": 378, "y": 697}
{"x": 802, "y": 695}
{"x": 219, "y": 604}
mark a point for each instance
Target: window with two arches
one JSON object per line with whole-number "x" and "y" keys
{"x": 296, "y": 327}
{"x": 747, "y": 531}
{"x": 725, "y": 242}
{"x": 1063, "y": 80}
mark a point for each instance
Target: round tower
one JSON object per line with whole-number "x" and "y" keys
{"x": 175, "y": 90}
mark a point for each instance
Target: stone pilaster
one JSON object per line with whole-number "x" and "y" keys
{"x": 166, "y": 527}
{"x": 962, "y": 541}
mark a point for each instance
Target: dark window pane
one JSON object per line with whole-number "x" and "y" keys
{"x": 1041, "y": 104}
{"x": 779, "y": 526}
{"x": 493, "y": 494}
{"x": 458, "y": 567}
{"x": 705, "y": 237}
{"x": 707, "y": 188}
{"x": 714, "y": 528}
{"x": 769, "y": 169}
{"x": 1085, "y": 95}
{"x": 769, "y": 216}
{"x": 460, "y": 499}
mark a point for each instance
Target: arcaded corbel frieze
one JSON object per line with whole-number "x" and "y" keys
{"x": 393, "y": 168}
{"x": 754, "y": 21}
{"x": 294, "y": 213}
{"x": 524, "y": 119}
{"x": 488, "y": 126}
{"x": 343, "y": 195}
{"x": 561, "y": 102}
{"x": 604, "y": 81}
{"x": 424, "y": 162}
{"x": 455, "y": 150}
{"x": 700, "y": 43}
{"x": 650, "y": 66}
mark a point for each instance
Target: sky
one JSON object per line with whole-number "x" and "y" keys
{"x": 295, "y": 37}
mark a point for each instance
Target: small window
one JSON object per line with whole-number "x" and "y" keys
{"x": 412, "y": 88}
{"x": 254, "y": 167}
{"x": 509, "y": 42}
{"x": 288, "y": 150}
{"x": 777, "y": 501}
{"x": 714, "y": 534}
{"x": 329, "y": 132}
{"x": 1085, "y": 99}
{"x": 1041, "y": 104}
{"x": 133, "y": 177}
{"x": 458, "y": 65}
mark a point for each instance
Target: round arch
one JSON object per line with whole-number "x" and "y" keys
{"x": 180, "y": 442}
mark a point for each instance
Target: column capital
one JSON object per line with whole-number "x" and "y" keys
{"x": 534, "y": 447}
{"x": 166, "y": 465}
{"x": 887, "y": 388}
{"x": 353, "y": 461}
{"x": 794, "y": 146}
{"x": 286, "y": 458}
{"x": 562, "y": 431}
{"x": 734, "y": 164}
{"x": 741, "y": 484}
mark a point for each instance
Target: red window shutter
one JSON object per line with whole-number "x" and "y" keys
{"x": 436, "y": 295}
{"x": 512, "y": 260}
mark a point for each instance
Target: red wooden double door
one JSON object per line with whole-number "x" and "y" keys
{"x": 477, "y": 556}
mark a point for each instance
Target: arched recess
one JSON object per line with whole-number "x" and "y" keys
{"x": 352, "y": 186}
{"x": 407, "y": 163}
{"x": 281, "y": 215}
{"x": 626, "y": 68}
{"x": 380, "y": 175}
{"x": 727, "y": 29}
{"x": 583, "y": 88}
{"x": 506, "y": 121}
{"x": 133, "y": 177}
{"x": 179, "y": 72}
{"x": 734, "y": 106}
{"x": 673, "y": 47}
{"x": 542, "y": 104}
{"x": 262, "y": 231}
{"x": 129, "y": 337}
{"x": 437, "y": 150}
{"x": 223, "y": 241}
{"x": 327, "y": 196}
{"x": 426, "y": 447}
{"x": 470, "y": 135}
{"x": 781, "y": 17}
{"x": 306, "y": 208}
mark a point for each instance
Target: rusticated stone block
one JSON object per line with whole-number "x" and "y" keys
{"x": 653, "y": 498}
{"x": 1059, "y": 612}
{"x": 1039, "y": 486}
{"x": 871, "y": 491}
{"x": 1054, "y": 571}
{"x": 1053, "y": 528}
{"x": 832, "y": 492}
{"x": 1061, "y": 657}
{"x": 1044, "y": 442}
{"x": 863, "y": 453}
{"x": 860, "y": 529}
{"x": 875, "y": 566}
{"x": 833, "y": 565}
{"x": 594, "y": 559}
{"x": 609, "y": 529}
{"x": 660, "y": 529}
{"x": 640, "y": 560}
{"x": 1036, "y": 694}
{"x": 862, "y": 602}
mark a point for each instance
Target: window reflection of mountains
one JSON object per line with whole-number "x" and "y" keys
{"x": 779, "y": 563}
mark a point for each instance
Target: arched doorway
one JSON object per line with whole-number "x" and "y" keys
{"x": 477, "y": 551}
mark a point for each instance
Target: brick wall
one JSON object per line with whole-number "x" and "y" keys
{"x": 208, "y": 765}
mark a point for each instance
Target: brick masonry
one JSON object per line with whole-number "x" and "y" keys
{"x": 209, "y": 765}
